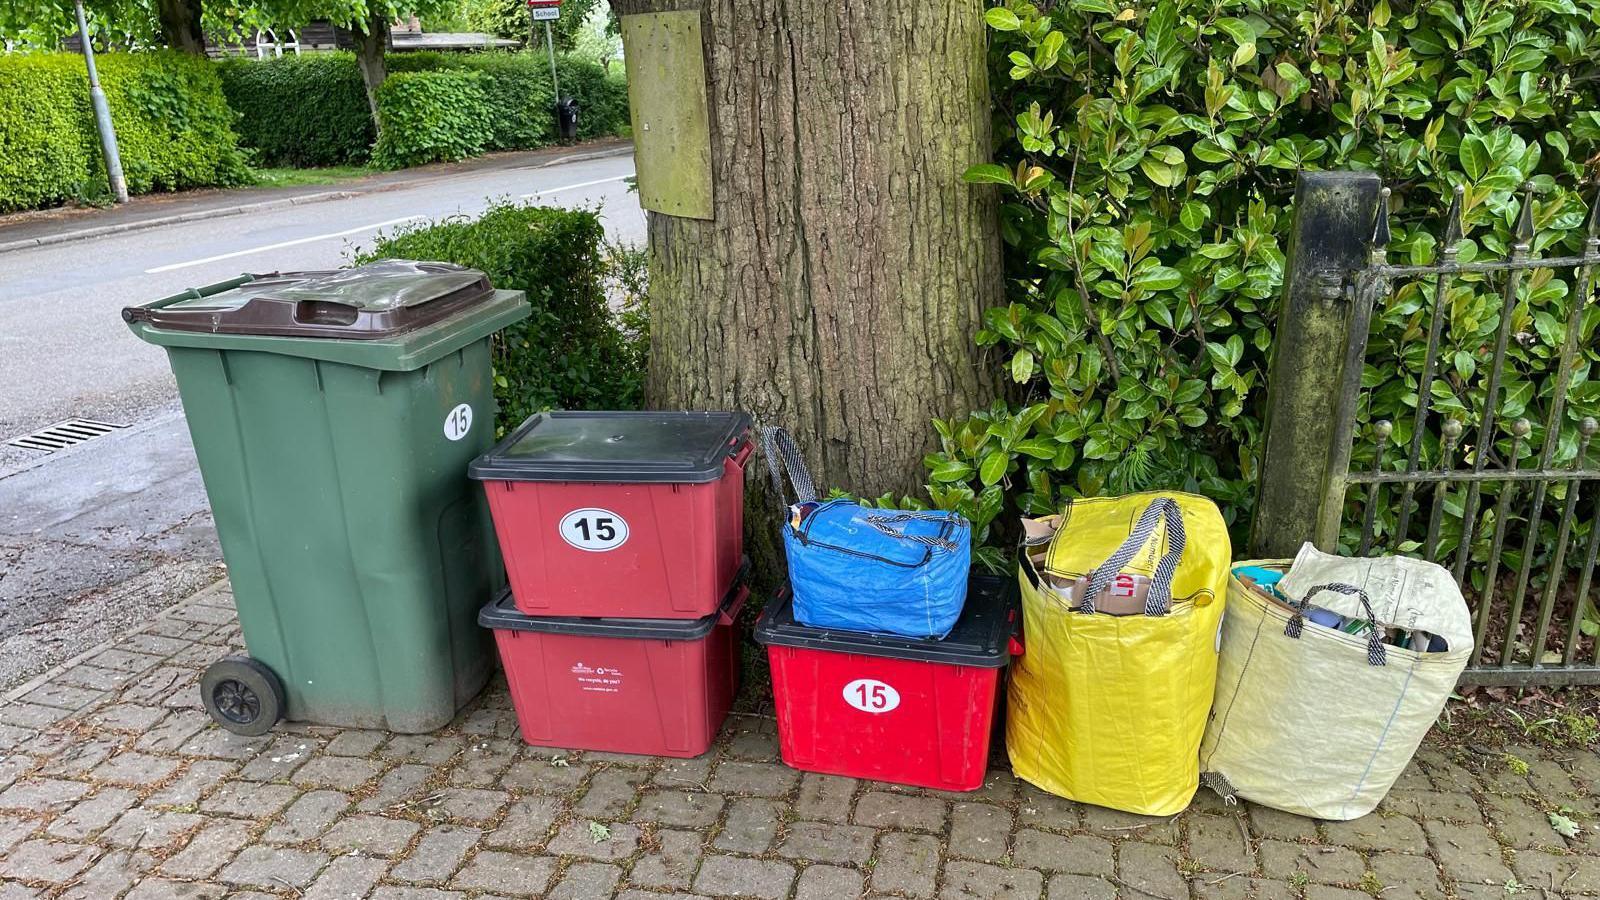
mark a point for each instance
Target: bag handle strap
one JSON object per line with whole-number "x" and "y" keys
{"x": 1375, "y": 652}
{"x": 784, "y": 458}
{"x": 1160, "y": 596}
{"x": 883, "y": 523}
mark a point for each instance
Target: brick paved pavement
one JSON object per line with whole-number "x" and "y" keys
{"x": 113, "y": 784}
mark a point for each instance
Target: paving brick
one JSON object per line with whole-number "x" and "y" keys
{"x": 47, "y": 860}
{"x": 1321, "y": 864}
{"x": 1406, "y": 877}
{"x": 87, "y": 676}
{"x": 62, "y": 696}
{"x": 683, "y": 774}
{"x": 473, "y": 806}
{"x": 42, "y": 795}
{"x": 1432, "y": 804}
{"x": 1375, "y": 832}
{"x": 424, "y": 749}
{"x": 750, "y": 827}
{"x": 980, "y": 881}
{"x": 543, "y": 777}
{"x": 754, "y": 779}
{"x": 131, "y": 717}
{"x": 135, "y": 768}
{"x": 178, "y": 732}
{"x": 755, "y": 746}
{"x": 671, "y": 864}
{"x": 880, "y": 809}
{"x": 208, "y": 740}
{"x": 611, "y": 794}
{"x": 81, "y": 757}
{"x": 248, "y": 800}
{"x": 828, "y": 883}
{"x": 90, "y": 815}
{"x": 979, "y": 831}
{"x": 526, "y": 824}
{"x": 115, "y": 872}
{"x": 347, "y": 878}
{"x": 687, "y": 809}
{"x": 356, "y": 742}
{"x": 372, "y": 835}
{"x": 1521, "y": 825}
{"x": 200, "y": 776}
{"x": 169, "y": 889}
{"x": 509, "y": 873}
{"x": 273, "y": 867}
{"x": 578, "y": 839}
{"x": 1080, "y": 887}
{"x": 1324, "y": 892}
{"x": 588, "y": 881}
{"x": 13, "y": 829}
{"x": 438, "y": 854}
{"x": 31, "y": 715}
{"x": 824, "y": 798}
{"x": 307, "y": 817}
{"x": 207, "y": 850}
{"x": 151, "y": 829}
{"x": 399, "y": 786}
{"x": 1080, "y": 854}
{"x": 1116, "y": 823}
{"x": 1219, "y": 843}
{"x": 1467, "y": 853}
{"x": 338, "y": 772}
{"x": 1212, "y": 887}
{"x": 1151, "y": 870}
{"x": 482, "y": 764}
{"x": 827, "y": 842}
{"x": 280, "y": 758}
{"x": 731, "y": 876}
{"x": 905, "y": 864}
{"x": 125, "y": 661}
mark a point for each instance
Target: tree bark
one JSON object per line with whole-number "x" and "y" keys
{"x": 837, "y": 290}
{"x": 370, "y": 48}
{"x": 180, "y": 25}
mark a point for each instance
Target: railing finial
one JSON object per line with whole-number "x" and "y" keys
{"x": 1524, "y": 231}
{"x": 1380, "y": 224}
{"x": 1452, "y": 224}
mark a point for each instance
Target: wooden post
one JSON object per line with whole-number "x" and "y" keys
{"x": 1332, "y": 223}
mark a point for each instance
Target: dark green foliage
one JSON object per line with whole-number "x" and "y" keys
{"x": 308, "y": 110}
{"x": 44, "y": 158}
{"x": 1146, "y": 158}
{"x": 572, "y": 352}
{"x": 516, "y": 88}
{"x": 430, "y": 117}
{"x": 174, "y": 128}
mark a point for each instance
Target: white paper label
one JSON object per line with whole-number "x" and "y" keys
{"x": 596, "y": 530}
{"x": 871, "y": 695}
{"x": 598, "y": 679}
{"x": 458, "y": 423}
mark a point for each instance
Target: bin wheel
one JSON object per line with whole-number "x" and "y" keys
{"x": 242, "y": 695}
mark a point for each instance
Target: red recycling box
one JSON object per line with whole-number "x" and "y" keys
{"x": 620, "y": 514}
{"x": 660, "y": 687}
{"x": 903, "y": 710}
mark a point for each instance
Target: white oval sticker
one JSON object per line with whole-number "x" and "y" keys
{"x": 594, "y": 529}
{"x": 871, "y": 695}
{"x": 458, "y": 423}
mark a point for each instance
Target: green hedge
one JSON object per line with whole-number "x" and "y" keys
{"x": 174, "y": 128}
{"x": 571, "y": 352}
{"x": 311, "y": 110}
{"x": 430, "y": 117}
{"x": 306, "y": 110}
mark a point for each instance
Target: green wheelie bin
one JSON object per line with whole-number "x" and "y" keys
{"x": 333, "y": 416}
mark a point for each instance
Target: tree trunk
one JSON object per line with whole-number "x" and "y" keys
{"x": 837, "y": 290}
{"x": 370, "y": 47}
{"x": 180, "y": 25}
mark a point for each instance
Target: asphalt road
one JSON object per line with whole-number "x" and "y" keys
{"x": 94, "y": 537}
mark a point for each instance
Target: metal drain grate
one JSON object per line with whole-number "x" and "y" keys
{"x": 62, "y": 435}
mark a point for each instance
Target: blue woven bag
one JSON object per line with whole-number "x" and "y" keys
{"x": 863, "y": 569}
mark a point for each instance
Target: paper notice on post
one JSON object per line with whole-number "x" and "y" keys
{"x": 1405, "y": 593}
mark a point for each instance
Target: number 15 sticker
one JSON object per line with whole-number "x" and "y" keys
{"x": 593, "y": 529}
{"x": 871, "y": 695}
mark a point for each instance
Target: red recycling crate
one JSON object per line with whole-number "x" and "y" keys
{"x": 658, "y": 687}
{"x": 883, "y": 707}
{"x": 620, "y": 514}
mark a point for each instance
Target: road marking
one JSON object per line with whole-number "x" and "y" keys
{"x": 573, "y": 187}
{"x": 279, "y": 246}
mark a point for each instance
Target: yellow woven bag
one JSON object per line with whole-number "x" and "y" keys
{"x": 1108, "y": 709}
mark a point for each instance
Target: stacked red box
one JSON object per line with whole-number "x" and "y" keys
{"x": 622, "y": 535}
{"x": 889, "y": 708}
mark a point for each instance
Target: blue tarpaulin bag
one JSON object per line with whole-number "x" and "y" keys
{"x": 864, "y": 569}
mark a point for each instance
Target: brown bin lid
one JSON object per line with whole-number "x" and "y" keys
{"x": 377, "y": 300}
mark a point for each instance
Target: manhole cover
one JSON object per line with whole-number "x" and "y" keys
{"x": 62, "y": 435}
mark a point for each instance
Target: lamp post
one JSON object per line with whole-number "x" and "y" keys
{"x": 102, "y": 114}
